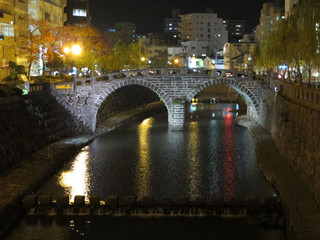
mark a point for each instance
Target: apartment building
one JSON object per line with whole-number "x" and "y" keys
{"x": 235, "y": 28}
{"x": 206, "y": 29}
{"x": 13, "y": 14}
{"x": 78, "y": 13}
{"x": 271, "y": 14}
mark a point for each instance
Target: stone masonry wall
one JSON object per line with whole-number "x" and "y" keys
{"x": 296, "y": 134}
{"x": 29, "y": 123}
{"x": 295, "y": 129}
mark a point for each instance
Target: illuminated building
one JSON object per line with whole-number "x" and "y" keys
{"x": 171, "y": 25}
{"x": 122, "y": 31}
{"x": 235, "y": 28}
{"x": 203, "y": 29}
{"x": 78, "y": 13}
{"x": 271, "y": 14}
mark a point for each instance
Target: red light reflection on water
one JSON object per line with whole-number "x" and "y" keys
{"x": 229, "y": 181}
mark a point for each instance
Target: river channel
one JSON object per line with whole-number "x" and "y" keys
{"x": 212, "y": 157}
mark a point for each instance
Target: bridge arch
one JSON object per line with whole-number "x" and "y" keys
{"x": 250, "y": 97}
{"x": 83, "y": 97}
{"x": 127, "y": 82}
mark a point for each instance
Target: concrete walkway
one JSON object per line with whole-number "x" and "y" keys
{"x": 301, "y": 211}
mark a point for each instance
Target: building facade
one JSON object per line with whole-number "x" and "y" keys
{"x": 171, "y": 26}
{"x": 127, "y": 31}
{"x": 122, "y": 31}
{"x": 238, "y": 55}
{"x": 7, "y": 48}
{"x": 271, "y": 14}
{"x": 78, "y": 13}
{"x": 289, "y": 5}
{"x": 235, "y": 28}
{"x": 203, "y": 27}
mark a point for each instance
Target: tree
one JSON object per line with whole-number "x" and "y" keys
{"x": 124, "y": 57}
{"x": 94, "y": 46}
{"x": 39, "y": 42}
{"x": 160, "y": 61}
{"x": 15, "y": 70}
{"x": 294, "y": 41}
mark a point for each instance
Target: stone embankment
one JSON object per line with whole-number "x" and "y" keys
{"x": 29, "y": 175}
{"x": 300, "y": 208}
{"x": 28, "y": 123}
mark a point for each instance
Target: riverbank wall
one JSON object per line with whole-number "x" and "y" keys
{"x": 30, "y": 174}
{"x": 299, "y": 207}
{"x": 287, "y": 149}
{"x": 291, "y": 115}
{"x": 29, "y": 123}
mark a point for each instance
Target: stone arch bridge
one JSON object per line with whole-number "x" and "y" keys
{"x": 175, "y": 87}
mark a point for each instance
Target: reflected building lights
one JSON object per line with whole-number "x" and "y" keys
{"x": 77, "y": 180}
{"x": 194, "y": 161}
{"x": 215, "y": 177}
{"x": 143, "y": 169}
{"x": 229, "y": 178}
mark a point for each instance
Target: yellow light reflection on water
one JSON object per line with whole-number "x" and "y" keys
{"x": 194, "y": 164}
{"x": 76, "y": 181}
{"x": 143, "y": 169}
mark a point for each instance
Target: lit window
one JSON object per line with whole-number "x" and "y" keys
{"x": 79, "y": 13}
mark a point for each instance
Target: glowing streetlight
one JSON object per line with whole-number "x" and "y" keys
{"x": 143, "y": 59}
{"x": 76, "y": 49}
{"x": 66, "y": 50}
{"x": 176, "y": 61}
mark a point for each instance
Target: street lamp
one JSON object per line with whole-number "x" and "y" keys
{"x": 75, "y": 49}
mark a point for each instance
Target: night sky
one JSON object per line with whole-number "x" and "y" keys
{"x": 148, "y": 15}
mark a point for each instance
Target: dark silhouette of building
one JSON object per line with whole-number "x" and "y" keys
{"x": 78, "y": 13}
{"x": 235, "y": 28}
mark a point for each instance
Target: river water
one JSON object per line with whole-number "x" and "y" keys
{"x": 212, "y": 157}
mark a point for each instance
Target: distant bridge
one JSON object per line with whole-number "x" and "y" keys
{"x": 175, "y": 86}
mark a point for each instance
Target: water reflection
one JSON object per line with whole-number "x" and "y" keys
{"x": 76, "y": 181}
{"x": 213, "y": 173}
{"x": 143, "y": 167}
{"x": 229, "y": 178}
{"x": 194, "y": 161}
